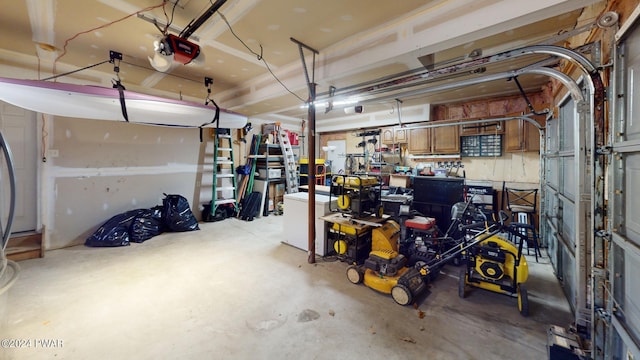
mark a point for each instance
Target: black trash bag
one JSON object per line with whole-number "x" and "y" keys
{"x": 146, "y": 225}
{"x": 115, "y": 231}
{"x": 251, "y": 206}
{"x": 223, "y": 211}
{"x": 177, "y": 215}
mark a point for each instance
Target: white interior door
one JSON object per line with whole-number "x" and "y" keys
{"x": 18, "y": 127}
{"x": 336, "y": 154}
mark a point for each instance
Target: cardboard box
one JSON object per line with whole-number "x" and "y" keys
{"x": 398, "y": 180}
{"x": 273, "y": 173}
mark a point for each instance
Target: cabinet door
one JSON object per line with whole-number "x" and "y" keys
{"x": 532, "y": 135}
{"x": 387, "y": 136}
{"x": 446, "y": 140}
{"x": 513, "y": 135}
{"x": 420, "y": 141}
{"x": 494, "y": 128}
{"x": 401, "y": 136}
{"x": 484, "y": 128}
{"x": 469, "y": 129}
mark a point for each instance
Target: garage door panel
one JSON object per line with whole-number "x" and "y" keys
{"x": 626, "y": 288}
{"x": 632, "y": 203}
{"x": 567, "y": 125}
{"x": 553, "y": 173}
{"x": 568, "y": 275}
{"x": 552, "y": 246}
{"x": 552, "y": 136}
{"x": 551, "y": 206}
{"x": 568, "y": 228}
{"x": 631, "y": 305}
{"x": 633, "y": 88}
{"x": 568, "y": 177}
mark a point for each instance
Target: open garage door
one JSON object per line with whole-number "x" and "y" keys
{"x": 566, "y": 218}
{"x": 623, "y": 310}
{"x": 568, "y": 184}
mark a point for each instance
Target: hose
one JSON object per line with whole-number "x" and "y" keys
{"x": 14, "y": 276}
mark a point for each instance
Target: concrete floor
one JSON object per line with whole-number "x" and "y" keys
{"x": 233, "y": 291}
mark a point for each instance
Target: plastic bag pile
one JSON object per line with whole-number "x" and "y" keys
{"x": 142, "y": 224}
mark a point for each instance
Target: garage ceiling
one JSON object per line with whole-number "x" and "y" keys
{"x": 360, "y": 43}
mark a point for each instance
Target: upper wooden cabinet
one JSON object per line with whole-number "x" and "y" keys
{"x": 521, "y": 135}
{"x": 439, "y": 140}
{"x": 393, "y": 135}
{"x": 387, "y": 136}
{"x": 420, "y": 141}
{"x": 401, "y": 135}
{"x": 445, "y": 140}
{"x": 484, "y": 128}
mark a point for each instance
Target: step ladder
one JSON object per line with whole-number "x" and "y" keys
{"x": 290, "y": 163}
{"x": 223, "y": 159}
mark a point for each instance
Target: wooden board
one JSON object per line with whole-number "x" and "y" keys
{"x": 359, "y": 224}
{"x": 23, "y": 247}
{"x": 261, "y": 186}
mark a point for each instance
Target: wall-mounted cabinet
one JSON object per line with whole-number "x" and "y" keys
{"x": 484, "y": 128}
{"x": 420, "y": 141}
{"x": 393, "y": 135}
{"x": 521, "y": 135}
{"x": 438, "y": 140}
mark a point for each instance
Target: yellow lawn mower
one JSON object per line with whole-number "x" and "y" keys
{"x": 385, "y": 269}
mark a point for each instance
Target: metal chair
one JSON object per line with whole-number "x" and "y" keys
{"x": 522, "y": 204}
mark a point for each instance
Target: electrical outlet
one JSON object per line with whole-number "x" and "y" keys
{"x": 53, "y": 153}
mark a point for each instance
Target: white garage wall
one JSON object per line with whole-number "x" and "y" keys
{"x": 105, "y": 168}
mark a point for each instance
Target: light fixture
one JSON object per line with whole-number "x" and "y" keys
{"x": 338, "y": 103}
{"x": 161, "y": 60}
{"x": 358, "y": 109}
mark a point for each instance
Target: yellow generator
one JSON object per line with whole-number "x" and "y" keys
{"x": 497, "y": 265}
{"x": 385, "y": 269}
{"x": 358, "y": 195}
{"x": 352, "y": 243}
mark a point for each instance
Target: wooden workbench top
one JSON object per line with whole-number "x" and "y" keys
{"x": 360, "y": 223}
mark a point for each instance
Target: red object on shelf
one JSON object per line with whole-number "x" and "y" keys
{"x": 420, "y": 222}
{"x": 293, "y": 137}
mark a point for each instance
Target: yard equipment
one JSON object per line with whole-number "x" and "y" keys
{"x": 490, "y": 261}
{"x": 422, "y": 242}
{"x": 385, "y": 269}
{"x": 358, "y": 195}
{"x": 495, "y": 264}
